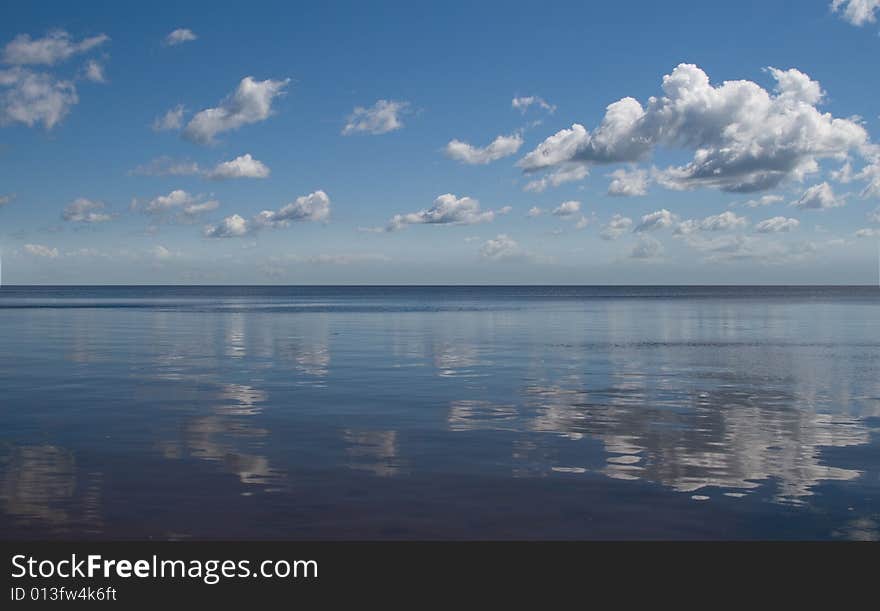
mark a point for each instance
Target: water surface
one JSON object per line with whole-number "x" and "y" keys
{"x": 423, "y": 413}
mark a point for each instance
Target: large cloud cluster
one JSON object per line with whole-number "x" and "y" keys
{"x": 32, "y": 97}
{"x": 743, "y": 137}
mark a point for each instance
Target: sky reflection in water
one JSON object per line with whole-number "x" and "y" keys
{"x": 439, "y": 413}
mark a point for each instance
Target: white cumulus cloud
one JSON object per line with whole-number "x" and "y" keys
{"x": 244, "y": 166}
{"x": 857, "y": 12}
{"x": 501, "y": 246}
{"x": 567, "y": 209}
{"x": 31, "y": 98}
{"x": 523, "y": 103}
{"x": 500, "y": 147}
{"x": 171, "y": 120}
{"x": 82, "y": 210}
{"x": 446, "y": 210}
{"x": 314, "y": 207}
{"x": 571, "y": 172}
{"x": 777, "y": 224}
{"x": 178, "y": 205}
{"x": 230, "y": 227}
{"x": 382, "y": 117}
{"x": 661, "y": 219}
{"x": 718, "y": 222}
{"x": 743, "y": 137}
{"x": 94, "y": 71}
{"x": 625, "y": 183}
{"x": 251, "y": 102}
{"x": 57, "y": 46}
{"x": 179, "y": 36}
{"x": 647, "y": 248}
{"x": 818, "y": 197}
{"x": 616, "y": 227}
{"x": 764, "y": 200}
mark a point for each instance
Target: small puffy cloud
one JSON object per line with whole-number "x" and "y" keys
{"x": 764, "y": 200}
{"x": 230, "y": 227}
{"x": 857, "y": 12}
{"x": 501, "y": 246}
{"x": 616, "y": 227}
{"x": 198, "y": 208}
{"x": 717, "y": 222}
{"x": 171, "y": 120}
{"x": 314, "y": 207}
{"x": 535, "y": 211}
{"x": 567, "y": 209}
{"x": 567, "y": 173}
{"x": 243, "y": 166}
{"x": 31, "y": 98}
{"x": 179, "y": 36}
{"x": 571, "y": 210}
{"x": 868, "y": 232}
{"x": 777, "y": 224}
{"x": 179, "y": 205}
{"x": 500, "y": 147}
{"x": 625, "y": 183}
{"x": 5, "y": 199}
{"x": 818, "y": 197}
{"x": 382, "y": 117}
{"x": 661, "y": 219}
{"x": 874, "y": 215}
{"x": 163, "y": 203}
{"x": 251, "y": 102}
{"x": 38, "y": 250}
{"x": 647, "y": 248}
{"x": 94, "y": 71}
{"x": 446, "y": 210}
{"x": 743, "y": 137}
{"x": 82, "y": 210}
{"x": 55, "y": 47}
{"x": 523, "y": 103}
{"x": 166, "y": 166}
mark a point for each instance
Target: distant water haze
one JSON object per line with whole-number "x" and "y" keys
{"x": 440, "y": 412}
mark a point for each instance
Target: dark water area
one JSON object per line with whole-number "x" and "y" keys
{"x": 440, "y": 412}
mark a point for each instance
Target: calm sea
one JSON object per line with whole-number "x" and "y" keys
{"x": 438, "y": 412}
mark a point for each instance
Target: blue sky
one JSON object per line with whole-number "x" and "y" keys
{"x": 497, "y": 143}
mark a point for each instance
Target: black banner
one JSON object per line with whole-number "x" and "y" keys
{"x": 125, "y": 574}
